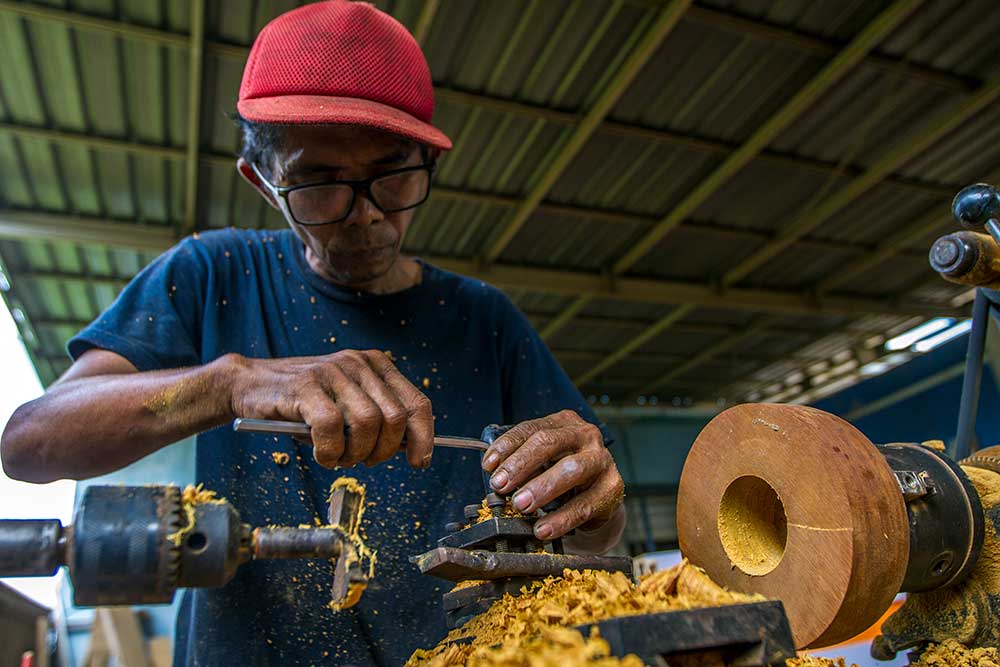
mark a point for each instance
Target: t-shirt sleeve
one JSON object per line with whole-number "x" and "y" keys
{"x": 535, "y": 385}
{"x": 156, "y": 320}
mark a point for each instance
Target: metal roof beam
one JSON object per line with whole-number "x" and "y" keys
{"x": 48, "y": 227}
{"x": 891, "y": 246}
{"x": 422, "y": 28}
{"x": 96, "y": 24}
{"x": 444, "y": 93}
{"x": 824, "y": 47}
{"x": 665, "y": 359}
{"x": 191, "y": 157}
{"x": 896, "y": 157}
{"x": 490, "y": 198}
{"x": 635, "y": 343}
{"x": 16, "y": 224}
{"x": 834, "y": 71}
{"x": 683, "y": 327}
{"x": 717, "y": 18}
{"x": 585, "y": 128}
{"x": 706, "y": 354}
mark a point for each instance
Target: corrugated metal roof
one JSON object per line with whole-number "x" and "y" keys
{"x": 94, "y": 127}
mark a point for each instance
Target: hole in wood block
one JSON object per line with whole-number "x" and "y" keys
{"x": 752, "y": 525}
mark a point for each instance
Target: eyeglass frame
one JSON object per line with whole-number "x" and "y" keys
{"x": 281, "y": 191}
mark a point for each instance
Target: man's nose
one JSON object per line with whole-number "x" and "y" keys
{"x": 364, "y": 211}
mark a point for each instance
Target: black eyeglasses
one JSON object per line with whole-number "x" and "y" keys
{"x": 326, "y": 202}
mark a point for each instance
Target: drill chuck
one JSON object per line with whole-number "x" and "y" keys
{"x": 139, "y": 544}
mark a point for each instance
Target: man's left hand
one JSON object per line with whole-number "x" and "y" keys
{"x": 543, "y": 459}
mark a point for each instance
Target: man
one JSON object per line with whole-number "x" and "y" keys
{"x": 328, "y": 324}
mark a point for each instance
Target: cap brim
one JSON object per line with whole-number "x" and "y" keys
{"x": 321, "y": 109}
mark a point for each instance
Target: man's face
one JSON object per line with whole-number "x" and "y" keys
{"x": 365, "y": 245}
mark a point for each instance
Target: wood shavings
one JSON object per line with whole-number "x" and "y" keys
{"x": 281, "y": 458}
{"x": 486, "y": 513}
{"x": 513, "y": 623}
{"x": 190, "y": 497}
{"x": 950, "y": 653}
{"x": 355, "y": 534}
{"x": 553, "y": 647}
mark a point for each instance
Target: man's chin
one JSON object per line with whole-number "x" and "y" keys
{"x": 357, "y": 274}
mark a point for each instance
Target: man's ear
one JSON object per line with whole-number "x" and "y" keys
{"x": 250, "y": 176}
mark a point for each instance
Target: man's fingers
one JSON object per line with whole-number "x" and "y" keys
{"x": 575, "y": 471}
{"x": 540, "y": 448}
{"x": 362, "y": 417}
{"x": 605, "y": 494}
{"x": 393, "y": 413}
{"x": 419, "y": 425}
{"x": 326, "y": 424}
{"x": 510, "y": 441}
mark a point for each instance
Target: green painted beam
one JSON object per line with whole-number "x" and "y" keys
{"x": 833, "y": 72}
{"x": 563, "y": 318}
{"x": 584, "y": 130}
{"x": 426, "y": 19}
{"x": 648, "y": 334}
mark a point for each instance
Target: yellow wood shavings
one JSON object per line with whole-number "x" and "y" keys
{"x": 281, "y": 458}
{"x": 190, "y": 497}
{"x": 812, "y": 661}
{"x": 553, "y": 647}
{"x": 485, "y": 513}
{"x": 950, "y": 653}
{"x": 355, "y": 534}
{"x": 576, "y": 598}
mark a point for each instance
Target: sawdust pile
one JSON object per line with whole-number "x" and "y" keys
{"x": 811, "y": 661}
{"x": 520, "y": 628}
{"x": 552, "y": 646}
{"x": 950, "y": 653}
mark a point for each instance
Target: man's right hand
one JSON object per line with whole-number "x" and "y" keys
{"x": 357, "y": 404}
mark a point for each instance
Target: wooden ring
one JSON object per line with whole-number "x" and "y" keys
{"x": 798, "y": 505}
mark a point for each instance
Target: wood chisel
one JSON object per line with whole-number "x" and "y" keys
{"x": 302, "y": 430}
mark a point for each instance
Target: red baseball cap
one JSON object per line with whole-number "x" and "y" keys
{"x": 340, "y": 62}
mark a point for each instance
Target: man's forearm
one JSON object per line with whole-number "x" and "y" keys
{"x": 600, "y": 540}
{"x": 93, "y": 425}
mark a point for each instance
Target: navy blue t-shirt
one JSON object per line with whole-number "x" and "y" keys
{"x": 459, "y": 340}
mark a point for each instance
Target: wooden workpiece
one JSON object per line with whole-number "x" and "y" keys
{"x": 796, "y": 504}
